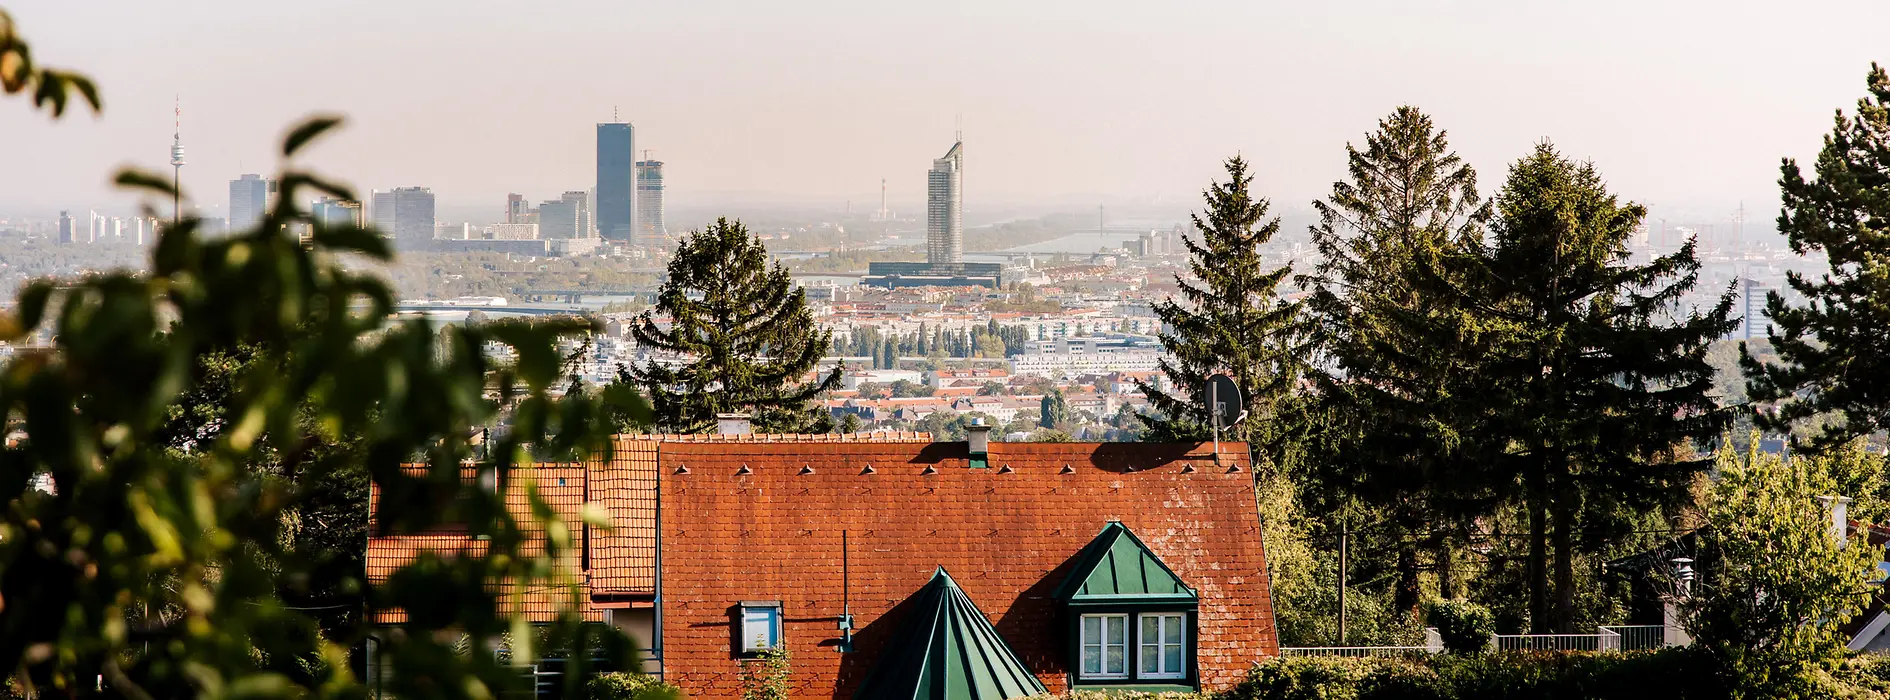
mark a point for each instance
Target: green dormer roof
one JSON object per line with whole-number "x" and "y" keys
{"x": 1117, "y": 567}
{"x": 946, "y": 649}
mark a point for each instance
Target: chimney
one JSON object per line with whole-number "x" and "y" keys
{"x": 978, "y": 438}
{"x": 1839, "y": 507}
{"x": 732, "y": 424}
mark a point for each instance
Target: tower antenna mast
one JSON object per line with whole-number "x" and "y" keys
{"x": 177, "y": 161}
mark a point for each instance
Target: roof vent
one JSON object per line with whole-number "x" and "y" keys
{"x": 1232, "y": 468}
{"x": 807, "y": 469}
{"x": 744, "y": 471}
{"x": 929, "y": 469}
{"x": 867, "y": 470}
{"x": 1006, "y": 469}
{"x": 1187, "y": 469}
{"x": 682, "y": 470}
{"x": 733, "y": 424}
{"x": 1067, "y": 470}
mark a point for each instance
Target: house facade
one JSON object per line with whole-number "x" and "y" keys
{"x": 898, "y": 566}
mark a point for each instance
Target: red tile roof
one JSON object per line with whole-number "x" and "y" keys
{"x": 764, "y": 522}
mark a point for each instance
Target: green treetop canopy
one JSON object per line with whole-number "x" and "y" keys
{"x": 946, "y": 649}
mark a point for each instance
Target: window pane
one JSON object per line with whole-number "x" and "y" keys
{"x": 1151, "y": 629}
{"x": 1151, "y": 654}
{"x": 1092, "y": 659}
{"x": 1092, "y": 630}
{"x": 1114, "y": 660}
{"x": 1171, "y": 629}
{"x": 1171, "y": 659}
{"x": 1118, "y": 628}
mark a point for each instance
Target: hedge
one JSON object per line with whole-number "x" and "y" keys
{"x": 1678, "y": 673}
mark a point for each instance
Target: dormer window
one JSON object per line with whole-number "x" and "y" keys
{"x": 1132, "y": 620}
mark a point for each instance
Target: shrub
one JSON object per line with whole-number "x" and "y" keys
{"x": 1464, "y": 626}
{"x": 1671, "y": 674}
{"x": 630, "y": 686}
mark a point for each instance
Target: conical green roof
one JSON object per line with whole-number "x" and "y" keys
{"x": 946, "y": 649}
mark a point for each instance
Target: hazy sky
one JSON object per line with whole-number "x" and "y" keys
{"x": 1680, "y": 104}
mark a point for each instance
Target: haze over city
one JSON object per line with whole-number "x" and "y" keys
{"x": 1063, "y": 104}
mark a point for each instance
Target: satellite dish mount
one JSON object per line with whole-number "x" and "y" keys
{"x": 1224, "y": 405}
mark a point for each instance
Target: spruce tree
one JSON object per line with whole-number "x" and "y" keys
{"x": 1834, "y": 352}
{"x": 1389, "y": 378}
{"x": 745, "y": 336}
{"x": 1593, "y": 380}
{"x": 1230, "y": 319}
{"x": 1053, "y": 410}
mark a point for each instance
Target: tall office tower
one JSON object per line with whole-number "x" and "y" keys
{"x": 516, "y": 208}
{"x": 337, "y": 212}
{"x": 945, "y": 208}
{"x": 95, "y": 230}
{"x": 650, "y": 225}
{"x": 558, "y": 218}
{"x": 117, "y": 229}
{"x": 65, "y": 228}
{"x": 582, "y": 200}
{"x": 405, "y": 215}
{"x": 616, "y": 182}
{"x": 249, "y": 200}
{"x": 1756, "y": 322}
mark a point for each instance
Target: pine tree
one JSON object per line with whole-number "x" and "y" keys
{"x": 1594, "y": 381}
{"x": 1053, "y": 410}
{"x": 1834, "y": 353}
{"x": 1388, "y": 379}
{"x": 745, "y": 333}
{"x": 1231, "y": 321}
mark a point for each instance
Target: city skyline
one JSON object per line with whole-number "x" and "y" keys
{"x": 1706, "y": 132}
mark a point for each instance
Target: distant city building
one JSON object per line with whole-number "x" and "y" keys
{"x": 405, "y": 214}
{"x": 1057, "y": 365}
{"x": 65, "y": 228}
{"x": 516, "y": 209}
{"x": 916, "y": 274}
{"x": 582, "y": 200}
{"x": 1756, "y": 322}
{"x": 336, "y": 212}
{"x": 616, "y": 182}
{"x": 650, "y": 223}
{"x": 95, "y": 227}
{"x": 945, "y": 203}
{"x": 452, "y": 232}
{"x": 557, "y": 218}
{"x": 249, "y": 200}
{"x": 512, "y": 232}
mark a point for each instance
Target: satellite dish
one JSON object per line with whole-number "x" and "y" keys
{"x": 1224, "y": 404}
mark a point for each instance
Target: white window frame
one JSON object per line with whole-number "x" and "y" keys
{"x": 1163, "y": 620}
{"x": 1102, "y": 646}
{"x": 771, "y": 617}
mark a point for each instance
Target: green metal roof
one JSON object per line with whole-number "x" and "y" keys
{"x": 1117, "y": 567}
{"x": 946, "y": 649}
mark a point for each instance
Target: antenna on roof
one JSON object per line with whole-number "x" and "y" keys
{"x": 846, "y": 603}
{"x": 961, "y": 128}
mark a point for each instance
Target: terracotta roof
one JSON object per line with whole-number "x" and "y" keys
{"x": 766, "y": 523}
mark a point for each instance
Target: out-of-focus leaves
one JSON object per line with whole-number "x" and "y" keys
{"x": 18, "y": 74}
{"x": 134, "y": 179}
{"x": 301, "y": 135}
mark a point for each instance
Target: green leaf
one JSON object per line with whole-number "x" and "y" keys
{"x": 135, "y": 179}
{"x": 301, "y": 135}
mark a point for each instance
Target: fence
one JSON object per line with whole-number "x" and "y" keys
{"x": 1599, "y": 641}
{"x": 1638, "y": 637}
{"x": 1355, "y": 651}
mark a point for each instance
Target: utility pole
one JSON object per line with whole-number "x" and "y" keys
{"x": 1345, "y": 536}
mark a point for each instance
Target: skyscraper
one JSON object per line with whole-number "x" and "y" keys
{"x": 249, "y": 200}
{"x": 516, "y": 208}
{"x": 558, "y": 218}
{"x": 616, "y": 182}
{"x": 1755, "y": 321}
{"x": 336, "y": 212}
{"x": 582, "y": 201}
{"x": 945, "y": 201}
{"x": 406, "y": 215}
{"x": 65, "y": 228}
{"x": 650, "y": 225}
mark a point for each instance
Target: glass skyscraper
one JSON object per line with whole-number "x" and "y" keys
{"x": 249, "y": 200}
{"x": 616, "y": 182}
{"x": 650, "y": 224}
{"x": 945, "y": 203}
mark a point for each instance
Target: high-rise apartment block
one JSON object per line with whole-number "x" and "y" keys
{"x": 405, "y": 214}
{"x": 516, "y": 208}
{"x": 65, "y": 228}
{"x": 616, "y": 182}
{"x": 945, "y": 203}
{"x": 249, "y": 200}
{"x": 336, "y": 212}
{"x": 557, "y": 219}
{"x": 651, "y": 227}
{"x": 582, "y": 200}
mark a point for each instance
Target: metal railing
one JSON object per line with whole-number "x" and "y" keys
{"x": 1638, "y": 637}
{"x": 1355, "y": 651}
{"x": 1599, "y": 641}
